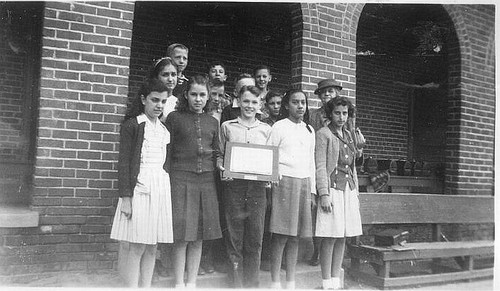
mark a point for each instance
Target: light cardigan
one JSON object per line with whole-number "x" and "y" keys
{"x": 296, "y": 150}
{"x": 327, "y": 157}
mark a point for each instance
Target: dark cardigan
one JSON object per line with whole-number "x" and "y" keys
{"x": 129, "y": 158}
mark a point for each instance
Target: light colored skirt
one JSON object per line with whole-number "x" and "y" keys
{"x": 151, "y": 220}
{"x": 344, "y": 220}
{"x": 291, "y": 207}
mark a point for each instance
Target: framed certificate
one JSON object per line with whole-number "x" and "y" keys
{"x": 251, "y": 162}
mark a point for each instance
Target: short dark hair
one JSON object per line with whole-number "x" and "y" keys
{"x": 271, "y": 93}
{"x": 216, "y": 63}
{"x": 261, "y": 67}
{"x": 338, "y": 101}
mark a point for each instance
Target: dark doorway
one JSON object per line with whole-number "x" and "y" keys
{"x": 20, "y": 47}
{"x": 402, "y": 80}
{"x": 242, "y": 35}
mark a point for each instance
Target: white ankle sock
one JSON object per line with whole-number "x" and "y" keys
{"x": 275, "y": 285}
{"x": 180, "y": 286}
{"x": 327, "y": 284}
{"x": 190, "y": 285}
{"x": 335, "y": 283}
{"x": 290, "y": 284}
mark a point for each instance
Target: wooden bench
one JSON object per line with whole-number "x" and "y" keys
{"x": 431, "y": 209}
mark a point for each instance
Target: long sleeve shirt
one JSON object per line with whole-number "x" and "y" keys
{"x": 194, "y": 142}
{"x": 296, "y": 149}
{"x": 235, "y": 131}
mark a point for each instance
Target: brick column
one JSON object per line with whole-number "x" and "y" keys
{"x": 324, "y": 46}
{"x": 83, "y": 92}
{"x": 471, "y": 128}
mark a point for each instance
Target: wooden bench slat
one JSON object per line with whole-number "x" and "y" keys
{"x": 408, "y": 208}
{"x": 419, "y": 279}
{"x": 418, "y": 251}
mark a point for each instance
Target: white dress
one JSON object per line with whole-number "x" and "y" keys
{"x": 151, "y": 220}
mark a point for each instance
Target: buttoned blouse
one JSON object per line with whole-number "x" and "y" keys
{"x": 296, "y": 149}
{"x": 343, "y": 174}
{"x": 327, "y": 159}
{"x": 156, "y": 138}
{"x": 235, "y": 131}
{"x": 194, "y": 141}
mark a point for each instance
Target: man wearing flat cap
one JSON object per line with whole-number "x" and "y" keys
{"x": 327, "y": 89}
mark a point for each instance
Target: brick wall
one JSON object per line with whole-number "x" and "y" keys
{"x": 83, "y": 89}
{"x": 472, "y": 103}
{"x": 252, "y": 34}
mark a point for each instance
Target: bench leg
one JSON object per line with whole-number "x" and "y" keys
{"x": 468, "y": 264}
{"x": 385, "y": 270}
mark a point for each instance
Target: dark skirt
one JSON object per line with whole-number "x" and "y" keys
{"x": 194, "y": 206}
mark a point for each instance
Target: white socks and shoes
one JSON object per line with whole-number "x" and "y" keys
{"x": 290, "y": 285}
{"x": 275, "y": 285}
{"x": 331, "y": 284}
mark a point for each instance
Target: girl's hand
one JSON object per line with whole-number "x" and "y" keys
{"x": 126, "y": 207}
{"x": 222, "y": 178}
{"x": 326, "y": 203}
{"x": 276, "y": 183}
{"x": 313, "y": 201}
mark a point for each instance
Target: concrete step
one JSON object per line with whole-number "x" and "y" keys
{"x": 306, "y": 277}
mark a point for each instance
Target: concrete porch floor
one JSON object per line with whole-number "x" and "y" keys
{"x": 307, "y": 277}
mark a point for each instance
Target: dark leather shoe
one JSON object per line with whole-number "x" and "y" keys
{"x": 265, "y": 265}
{"x": 314, "y": 261}
{"x": 209, "y": 269}
{"x": 201, "y": 271}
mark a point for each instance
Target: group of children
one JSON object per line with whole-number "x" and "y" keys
{"x": 172, "y": 146}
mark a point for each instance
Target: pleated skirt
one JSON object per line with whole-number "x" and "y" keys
{"x": 291, "y": 207}
{"x": 345, "y": 218}
{"x": 151, "y": 220}
{"x": 195, "y": 206}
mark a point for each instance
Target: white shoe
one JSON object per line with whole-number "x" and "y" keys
{"x": 275, "y": 285}
{"x": 327, "y": 284}
{"x": 290, "y": 285}
{"x": 336, "y": 283}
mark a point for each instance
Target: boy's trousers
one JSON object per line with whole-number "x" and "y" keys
{"x": 245, "y": 208}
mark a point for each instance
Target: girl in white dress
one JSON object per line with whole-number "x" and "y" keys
{"x": 143, "y": 215}
{"x": 338, "y": 213}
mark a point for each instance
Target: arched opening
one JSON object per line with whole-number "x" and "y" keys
{"x": 407, "y": 60}
{"x": 240, "y": 35}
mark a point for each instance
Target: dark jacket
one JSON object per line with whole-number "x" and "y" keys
{"x": 129, "y": 158}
